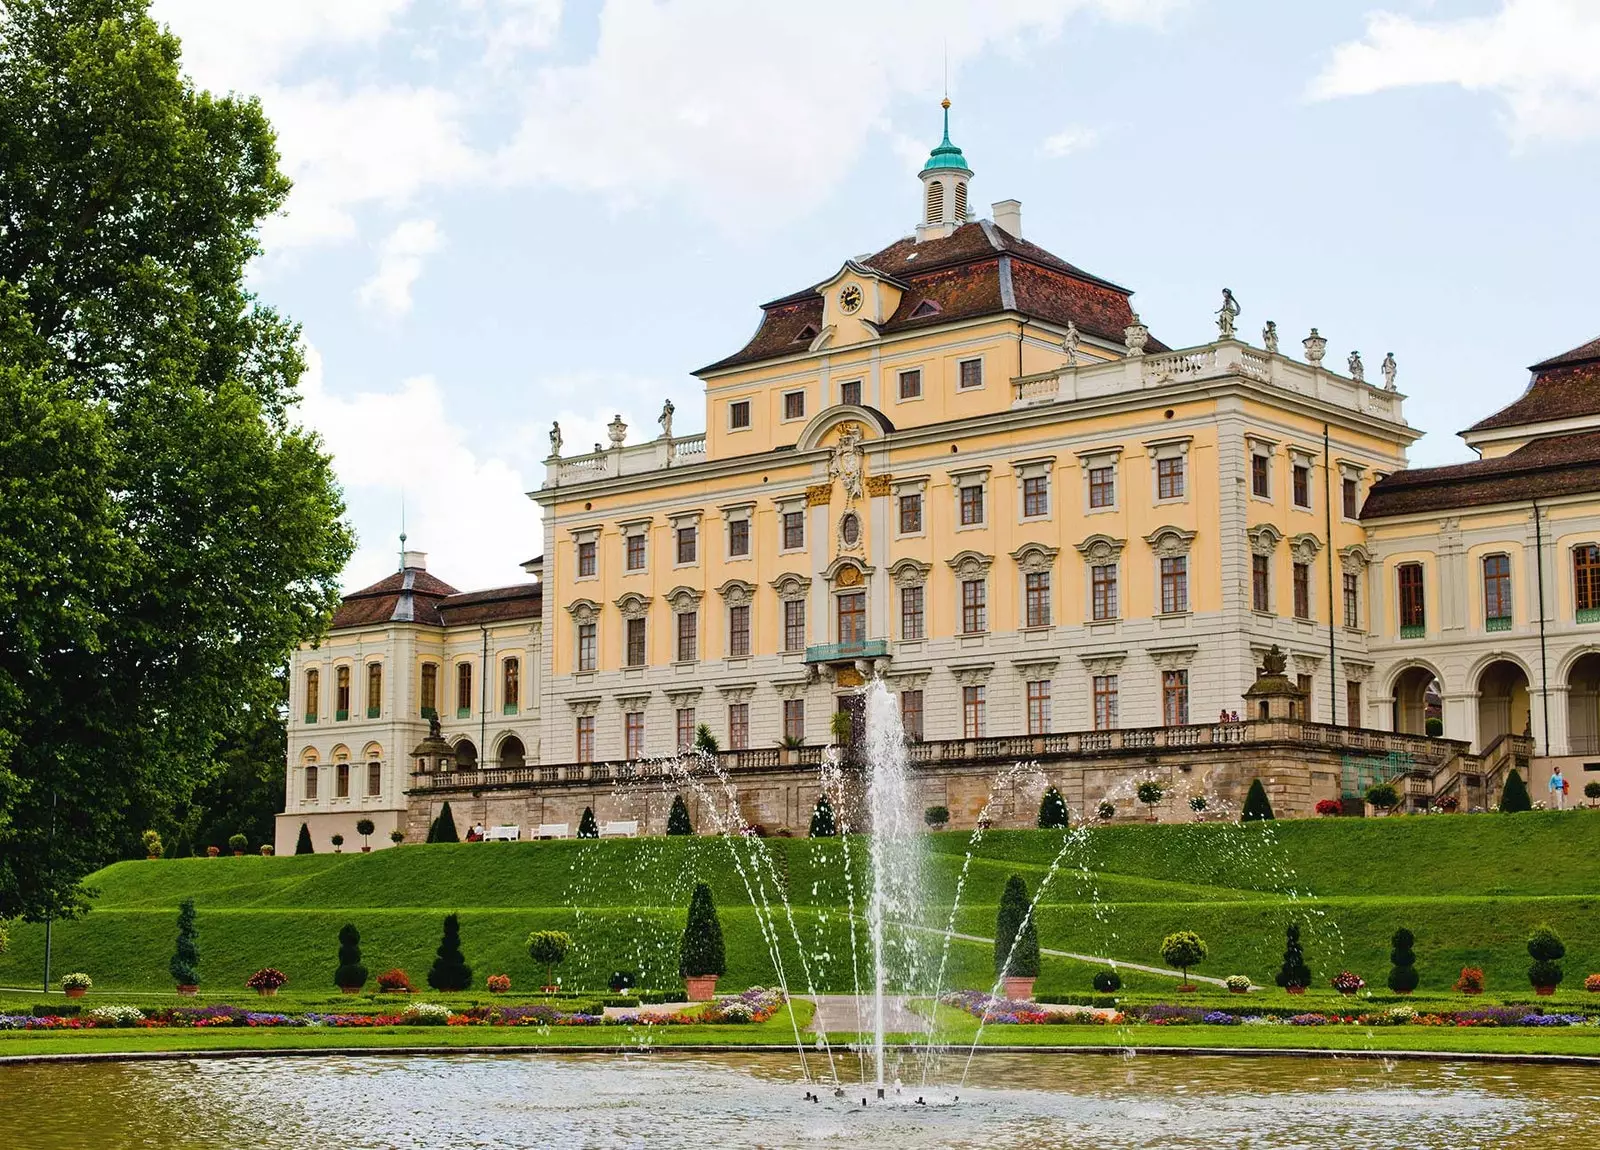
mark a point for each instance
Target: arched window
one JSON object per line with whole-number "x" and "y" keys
{"x": 463, "y": 690}
{"x": 960, "y": 215}
{"x": 313, "y": 693}
{"x": 374, "y": 690}
{"x": 512, "y": 753}
{"x": 466, "y": 756}
{"x": 341, "y": 694}
{"x": 430, "y": 690}
{"x": 935, "y": 201}
{"x": 510, "y": 685}
{"x": 341, "y": 776}
{"x": 308, "y": 760}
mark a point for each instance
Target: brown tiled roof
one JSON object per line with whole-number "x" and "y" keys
{"x": 1554, "y": 465}
{"x": 496, "y": 605}
{"x": 979, "y": 269}
{"x": 1565, "y": 386}
{"x": 414, "y": 596}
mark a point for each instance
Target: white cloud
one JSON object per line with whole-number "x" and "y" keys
{"x": 468, "y": 509}
{"x": 400, "y": 259}
{"x": 1075, "y": 138}
{"x": 1541, "y": 57}
{"x": 719, "y": 101}
{"x": 511, "y": 28}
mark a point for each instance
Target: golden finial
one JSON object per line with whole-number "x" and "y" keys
{"x": 945, "y": 103}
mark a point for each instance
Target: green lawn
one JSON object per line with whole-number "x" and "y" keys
{"x": 1469, "y": 886}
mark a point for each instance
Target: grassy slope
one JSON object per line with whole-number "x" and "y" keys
{"x": 1462, "y": 883}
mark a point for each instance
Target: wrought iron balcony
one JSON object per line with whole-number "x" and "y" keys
{"x": 847, "y": 652}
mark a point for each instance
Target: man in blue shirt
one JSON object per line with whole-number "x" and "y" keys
{"x": 1558, "y": 790}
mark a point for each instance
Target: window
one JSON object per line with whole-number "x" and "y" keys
{"x": 794, "y": 405}
{"x": 633, "y": 735}
{"x": 1036, "y": 587}
{"x": 635, "y": 643}
{"x": 1039, "y": 707}
{"x": 311, "y": 782}
{"x": 971, "y": 505}
{"x": 510, "y": 686}
{"x": 739, "y": 414}
{"x": 738, "y": 537}
{"x": 341, "y": 693}
{"x": 1586, "y": 582}
{"x": 587, "y": 647}
{"x": 1352, "y": 600}
{"x": 794, "y": 530}
{"x": 1169, "y": 478}
{"x": 1302, "y": 485}
{"x": 1175, "y": 585}
{"x": 1175, "y": 698}
{"x": 374, "y": 779}
{"x": 1105, "y": 702}
{"x": 463, "y": 690}
{"x": 852, "y": 618}
{"x": 1304, "y": 683}
{"x": 688, "y": 636}
{"x": 973, "y": 705}
{"x": 974, "y": 606}
{"x": 1035, "y": 496}
{"x": 1260, "y": 583}
{"x": 911, "y": 613}
{"x": 1302, "y": 590}
{"x": 1497, "y": 592}
{"x": 1102, "y": 487}
{"x": 794, "y": 624}
{"x": 794, "y": 718}
{"x": 738, "y": 726}
{"x": 685, "y": 728}
{"x": 739, "y": 630}
{"x": 374, "y": 690}
{"x": 911, "y": 513}
{"x": 586, "y": 559}
{"x": 314, "y": 692}
{"x": 911, "y": 714}
{"x": 1352, "y": 703}
{"x": 1103, "y": 588}
{"x": 635, "y": 552}
{"x": 1260, "y": 479}
{"x": 850, "y": 392}
{"x": 430, "y": 690}
{"x": 341, "y": 780}
{"x": 585, "y": 750}
{"x": 911, "y": 384}
{"x": 688, "y": 543}
{"x": 1413, "y": 617}
{"x": 971, "y": 374}
{"x": 1351, "y": 493}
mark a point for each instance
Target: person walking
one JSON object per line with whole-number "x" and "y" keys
{"x": 1558, "y": 789}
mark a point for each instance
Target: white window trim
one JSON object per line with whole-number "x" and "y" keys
{"x": 786, "y": 506}
{"x": 1303, "y": 457}
{"x": 1355, "y": 471}
{"x": 960, "y": 479}
{"x": 1094, "y": 460}
{"x": 579, "y": 537}
{"x": 1175, "y": 447}
{"x": 750, "y": 412}
{"x": 861, "y": 387}
{"x": 738, "y": 513}
{"x": 629, "y": 529}
{"x": 783, "y": 406}
{"x": 1267, "y": 449}
{"x": 909, "y": 485}
{"x": 1041, "y": 467}
{"x": 922, "y": 384}
{"x": 679, "y": 521}
{"x": 983, "y": 376}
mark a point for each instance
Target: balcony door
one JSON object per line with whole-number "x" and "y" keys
{"x": 852, "y": 612}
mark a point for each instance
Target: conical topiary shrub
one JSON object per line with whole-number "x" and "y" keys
{"x": 185, "y": 964}
{"x": 587, "y": 827}
{"x": 822, "y": 825}
{"x": 701, "y": 958}
{"x": 1403, "y": 962}
{"x": 302, "y": 845}
{"x": 443, "y": 829}
{"x": 450, "y": 970}
{"x": 1257, "y": 807}
{"x": 1016, "y": 942}
{"x": 1052, "y": 811}
{"x": 350, "y": 976}
{"x": 678, "y": 820}
{"x": 1294, "y": 975}
{"x": 1514, "y": 796}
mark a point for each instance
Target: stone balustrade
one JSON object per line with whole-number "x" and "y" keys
{"x": 633, "y": 459}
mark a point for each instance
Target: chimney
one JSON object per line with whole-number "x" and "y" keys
{"x": 1008, "y": 217}
{"x": 417, "y": 559}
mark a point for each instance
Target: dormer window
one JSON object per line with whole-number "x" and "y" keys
{"x": 925, "y": 308}
{"x": 807, "y": 334}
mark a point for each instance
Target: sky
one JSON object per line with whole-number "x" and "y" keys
{"x": 513, "y": 211}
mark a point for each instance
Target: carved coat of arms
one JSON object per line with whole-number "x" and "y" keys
{"x": 848, "y": 464}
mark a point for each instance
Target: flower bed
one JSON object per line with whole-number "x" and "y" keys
{"x": 1006, "y": 1012}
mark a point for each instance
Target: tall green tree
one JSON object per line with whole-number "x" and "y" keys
{"x": 1257, "y": 807}
{"x": 168, "y": 533}
{"x": 1514, "y": 797}
{"x": 1016, "y": 939}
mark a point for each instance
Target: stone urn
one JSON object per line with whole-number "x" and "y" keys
{"x": 1018, "y": 989}
{"x": 699, "y": 987}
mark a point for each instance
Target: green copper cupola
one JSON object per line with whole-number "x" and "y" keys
{"x": 944, "y": 186}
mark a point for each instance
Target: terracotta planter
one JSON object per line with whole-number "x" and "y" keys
{"x": 1294, "y": 989}
{"x": 77, "y": 991}
{"x": 1345, "y": 993}
{"x": 267, "y": 991}
{"x": 238, "y": 854}
{"x": 1402, "y": 992}
{"x": 1464, "y": 990}
{"x": 349, "y": 990}
{"x": 1186, "y": 988}
{"x": 1018, "y": 989}
{"x": 152, "y": 858}
{"x": 189, "y": 991}
{"x": 1544, "y": 991}
{"x": 1238, "y": 990}
{"x": 699, "y": 988}
{"x": 366, "y": 850}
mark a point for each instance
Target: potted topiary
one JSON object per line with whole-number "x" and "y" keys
{"x": 213, "y": 852}
{"x": 397, "y": 837}
{"x": 450, "y": 970}
{"x": 365, "y": 827}
{"x": 350, "y": 976}
{"x": 1237, "y": 984}
{"x": 394, "y": 981}
{"x": 266, "y": 850}
{"x": 1403, "y": 961}
{"x": 1106, "y": 810}
{"x": 185, "y": 964}
{"x": 1052, "y": 811}
{"x": 1106, "y": 981}
{"x": 1591, "y": 791}
{"x": 1016, "y": 942}
{"x": 498, "y": 983}
{"x": 152, "y": 844}
{"x": 1183, "y": 949}
{"x": 1150, "y": 793}
{"x": 1294, "y": 975}
{"x": 587, "y": 827}
{"x": 76, "y": 984}
{"x": 678, "y": 818}
{"x": 936, "y": 817}
{"x": 267, "y": 980}
{"x": 549, "y": 949}
{"x": 1470, "y": 980}
{"x": 1330, "y": 807}
{"x": 1198, "y": 804}
{"x": 701, "y": 959}
{"x": 337, "y": 841}
{"x": 1545, "y": 948}
{"x": 1383, "y": 797}
{"x": 237, "y": 844}
{"x": 822, "y": 824}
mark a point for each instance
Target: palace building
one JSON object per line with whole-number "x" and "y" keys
{"x": 966, "y": 466}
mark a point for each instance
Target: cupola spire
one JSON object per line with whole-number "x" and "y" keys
{"x": 944, "y": 186}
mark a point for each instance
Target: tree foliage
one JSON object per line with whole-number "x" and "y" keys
{"x": 1257, "y": 807}
{"x": 1052, "y": 811}
{"x": 549, "y": 949}
{"x": 185, "y": 964}
{"x": 1294, "y": 971}
{"x": 700, "y": 952}
{"x": 443, "y": 828}
{"x": 1016, "y": 941}
{"x": 450, "y": 970}
{"x": 170, "y": 533}
{"x": 1514, "y": 796}
{"x": 350, "y": 974}
{"x": 822, "y": 822}
{"x": 1183, "y": 949}
{"x": 1546, "y": 949}
{"x": 587, "y": 827}
{"x": 1403, "y": 962}
{"x": 678, "y": 818}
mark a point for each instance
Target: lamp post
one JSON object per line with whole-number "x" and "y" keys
{"x": 49, "y": 894}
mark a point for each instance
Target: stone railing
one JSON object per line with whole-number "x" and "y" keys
{"x": 1091, "y": 378}
{"x": 637, "y": 459}
{"x": 1426, "y": 752}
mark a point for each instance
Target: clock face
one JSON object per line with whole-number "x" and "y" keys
{"x": 850, "y": 298}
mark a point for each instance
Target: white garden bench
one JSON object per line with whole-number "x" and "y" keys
{"x": 505, "y": 833}
{"x": 623, "y": 829}
{"x": 554, "y": 830}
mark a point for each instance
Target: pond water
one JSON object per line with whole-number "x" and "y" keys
{"x": 674, "y": 1101}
